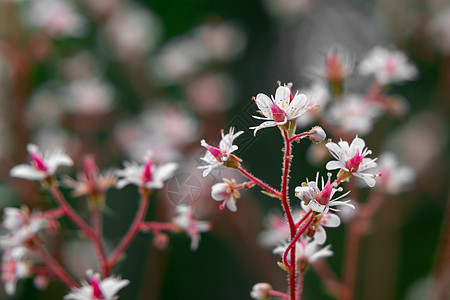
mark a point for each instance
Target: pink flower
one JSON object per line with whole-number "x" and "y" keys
{"x": 352, "y": 159}
{"x": 393, "y": 177}
{"x": 147, "y": 176}
{"x": 185, "y": 220}
{"x": 42, "y": 166}
{"x": 283, "y": 108}
{"x": 97, "y": 288}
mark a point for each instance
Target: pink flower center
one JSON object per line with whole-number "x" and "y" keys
{"x": 38, "y": 161}
{"x": 391, "y": 64}
{"x": 353, "y": 163}
{"x": 278, "y": 114}
{"x": 96, "y": 292}
{"x": 323, "y": 197}
{"x": 334, "y": 72}
{"x": 147, "y": 174}
{"x": 91, "y": 173}
{"x": 216, "y": 152}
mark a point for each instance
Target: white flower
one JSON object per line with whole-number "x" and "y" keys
{"x": 281, "y": 109}
{"x": 327, "y": 219}
{"x": 58, "y": 18}
{"x": 215, "y": 157}
{"x": 185, "y": 220}
{"x": 14, "y": 268}
{"x": 306, "y": 250}
{"x": 42, "y": 166}
{"x": 353, "y": 114}
{"x": 388, "y": 66}
{"x": 21, "y": 226}
{"x": 352, "y": 159}
{"x": 225, "y": 191}
{"x": 318, "y": 95}
{"x": 147, "y": 175}
{"x": 320, "y": 200}
{"x": 97, "y": 289}
{"x": 261, "y": 291}
{"x": 91, "y": 96}
{"x": 393, "y": 177}
{"x": 277, "y": 230}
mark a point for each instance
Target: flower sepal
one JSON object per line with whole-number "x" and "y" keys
{"x": 233, "y": 162}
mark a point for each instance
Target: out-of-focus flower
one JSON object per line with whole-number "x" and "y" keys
{"x": 157, "y": 129}
{"x": 393, "y": 177}
{"x": 222, "y": 40}
{"x": 216, "y": 157}
{"x": 14, "y": 267}
{"x": 277, "y": 231}
{"x": 42, "y": 166}
{"x": 352, "y": 159}
{"x": 185, "y": 220}
{"x": 147, "y": 176}
{"x": 132, "y": 31}
{"x": 285, "y": 9}
{"x": 91, "y": 182}
{"x": 59, "y": 18}
{"x": 318, "y": 95}
{"x": 261, "y": 291}
{"x": 178, "y": 60}
{"x": 88, "y": 96}
{"x": 439, "y": 29}
{"x": 97, "y": 288}
{"x": 388, "y": 66}
{"x": 21, "y": 226}
{"x": 353, "y": 114}
{"x": 82, "y": 65}
{"x": 320, "y": 200}
{"x": 44, "y": 106}
{"x": 226, "y": 192}
{"x": 307, "y": 252}
{"x": 211, "y": 93}
{"x": 280, "y": 110}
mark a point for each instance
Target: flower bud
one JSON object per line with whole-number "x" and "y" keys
{"x": 317, "y": 134}
{"x": 261, "y": 291}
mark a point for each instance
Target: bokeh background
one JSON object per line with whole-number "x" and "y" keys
{"x": 115, "y": 78}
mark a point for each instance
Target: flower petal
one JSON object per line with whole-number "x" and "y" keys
{"x": 283, "y": 97}
{"x": 264, "y": 102}
{"x": 263, "y": 125}
{"x": 25, "y": 171}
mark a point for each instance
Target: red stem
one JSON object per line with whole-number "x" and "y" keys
{"x": 299, "y": 136}
{"x": 157, "y": 226}
{"x": 51, "y": 214}
{"x": 287, "y": 208}
{"x": 259, "y": 182}
{"x": 70, "y": 213}
{"x": 279, "y": 294}
{"x": 134, "y": 229}
{"x": 295, "y": 239}
{"x": 96, "y": 223}
{"x": 54, "y": 267}
{"x": 328, "y": 277}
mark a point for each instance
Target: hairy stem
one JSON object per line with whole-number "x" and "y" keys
{"x": 134, "y": 229}
{"x": 259, "y": 182}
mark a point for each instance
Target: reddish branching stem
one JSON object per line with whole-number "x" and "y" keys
{"x": 259, "y": 182}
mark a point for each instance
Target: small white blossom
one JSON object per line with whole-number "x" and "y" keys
{"x": 97, "y": 288}
{"x": 215, "y": 157}
{"x": 388, "y": 66}
{"x": 261, "y": 291}
{"x": 279, "y": 110}
{"x": 393, "y": 177}
{"x": 147, "y": 175}
{"x": 42, "y": 166}
{"x": 14, "y": 267}
{"x": 352, "y": 159}
{"x": 317, "y": 134}
{"x": 322, "y": 220}
{"x": 224, "y": 191}
{"x": 21, "y": 226}
{"x": 185, "y": 220}
{"x": 320, "y": 200}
